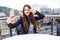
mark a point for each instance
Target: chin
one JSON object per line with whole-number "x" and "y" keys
{"x": 27, "y": 15}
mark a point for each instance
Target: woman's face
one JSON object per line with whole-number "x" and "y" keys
{"x": 26, "y": 11}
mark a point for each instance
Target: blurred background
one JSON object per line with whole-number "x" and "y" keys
{"x": 48, "y": 25}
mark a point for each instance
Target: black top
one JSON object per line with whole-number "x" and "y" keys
{"x": 19, "y": 21}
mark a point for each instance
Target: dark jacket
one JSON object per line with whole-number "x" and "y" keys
{"x": 19, "y": 22}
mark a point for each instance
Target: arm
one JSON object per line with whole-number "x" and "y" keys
{"x": 15, "y": 24}
{"x": 40, "y": 16}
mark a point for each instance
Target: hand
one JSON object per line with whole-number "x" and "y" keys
{"x": 10, "y": 19}
{"x": 33, "y": 11}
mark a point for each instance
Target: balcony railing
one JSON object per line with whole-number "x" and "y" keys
{"x": 5, "y": 30}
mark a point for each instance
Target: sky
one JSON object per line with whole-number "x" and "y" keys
{"x": 18, "y": 4}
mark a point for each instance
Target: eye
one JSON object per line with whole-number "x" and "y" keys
{"x": 28, "y": 10}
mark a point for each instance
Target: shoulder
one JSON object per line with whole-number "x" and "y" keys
{"x": 20, "y": 18}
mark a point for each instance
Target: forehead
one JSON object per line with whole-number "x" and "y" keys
{"x": 26, "y": 7}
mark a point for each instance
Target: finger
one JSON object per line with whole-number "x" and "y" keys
{"x": 11, "y": 16}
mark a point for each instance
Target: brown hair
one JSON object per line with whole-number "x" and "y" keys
{"x": 25, "y": 21}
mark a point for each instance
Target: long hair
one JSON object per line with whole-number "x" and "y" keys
{"x": 25, "y": 21}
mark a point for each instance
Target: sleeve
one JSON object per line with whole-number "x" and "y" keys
{"x": 15, "y": 24}
{"x": 40, "y": 16}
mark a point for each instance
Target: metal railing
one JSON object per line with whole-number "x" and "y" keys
{"x": 52, "y": 17}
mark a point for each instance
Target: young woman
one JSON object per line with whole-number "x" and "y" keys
{"x": 28, "y": 21}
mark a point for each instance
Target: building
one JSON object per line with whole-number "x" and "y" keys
{"x": 3, "y": 25}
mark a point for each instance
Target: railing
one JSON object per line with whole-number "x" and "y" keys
{"x": 9, "y": 30}
{"x": 4, "y": 28}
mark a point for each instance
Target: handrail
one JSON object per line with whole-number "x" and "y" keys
{"x": 4, "y": 18}
{"x": 36, "y": 15}
{"x": 52, "y": 15}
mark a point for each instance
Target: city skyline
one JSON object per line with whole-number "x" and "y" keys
{"x": 18, "y": 4}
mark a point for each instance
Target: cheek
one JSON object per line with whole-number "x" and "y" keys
{"x": 25, "y": 12}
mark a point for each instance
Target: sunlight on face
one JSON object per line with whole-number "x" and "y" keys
{"x": 26, "y": 11}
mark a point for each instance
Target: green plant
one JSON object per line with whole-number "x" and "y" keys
{"x": 58, "y": 20}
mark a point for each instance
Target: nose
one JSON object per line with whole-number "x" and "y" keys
{"x": 27, "y": 12}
